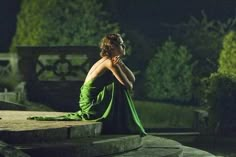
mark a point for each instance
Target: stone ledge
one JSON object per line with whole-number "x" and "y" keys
{"x": 15, "y": 128}
{"x": 10, "y": 151}
{"x": 84, "y": 147}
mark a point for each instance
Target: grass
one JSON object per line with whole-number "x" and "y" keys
{"x": 163, "y": 115}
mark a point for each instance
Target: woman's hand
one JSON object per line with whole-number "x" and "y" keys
{"x": 117, "y": 61}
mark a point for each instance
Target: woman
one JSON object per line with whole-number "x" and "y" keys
{"x": 105, "y": 93}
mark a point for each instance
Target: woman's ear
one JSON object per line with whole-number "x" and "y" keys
{"x": 112, "y": 47}
{"x": 107, "y": 48}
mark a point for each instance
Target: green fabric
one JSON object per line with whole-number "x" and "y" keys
{"x": 105, "y": 99}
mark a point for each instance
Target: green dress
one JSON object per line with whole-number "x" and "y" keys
{"x": 105, "y": 99}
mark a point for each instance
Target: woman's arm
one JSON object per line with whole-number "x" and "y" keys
{"x": 119, "y": 74}
{"x": 129, "y": 74}
{"x": 127, "y": 71}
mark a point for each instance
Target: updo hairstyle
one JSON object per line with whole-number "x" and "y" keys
{"x": 107, "y": 44}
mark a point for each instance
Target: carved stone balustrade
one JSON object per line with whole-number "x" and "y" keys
{"x": 54, "y": 75}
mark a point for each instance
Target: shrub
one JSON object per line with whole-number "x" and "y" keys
{"x": 169, "y": 74}
{"x": 220, "y": 96}
{"x": 227, "y": 60}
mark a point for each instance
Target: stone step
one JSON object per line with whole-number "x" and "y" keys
{"x": 194, "y": 152}
{"x": 5, "y": 105}
{"x": 83, "y": 147}
{"x": 7, "y": 150}
{"x": 161, "y": 147}
{"x": 155, "y": 147}
{"x": 15, "y": 128}
{"x": 175, "y": 133}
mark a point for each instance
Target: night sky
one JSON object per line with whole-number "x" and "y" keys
{"x": 143, "y": 15}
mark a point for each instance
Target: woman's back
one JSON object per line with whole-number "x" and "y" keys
{"x": 97, "y": 69}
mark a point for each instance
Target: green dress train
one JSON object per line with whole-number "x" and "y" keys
{"x": 105, "y": 99}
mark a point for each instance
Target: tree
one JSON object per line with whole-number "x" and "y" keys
{"x": 169, "y": 73}
{"x": 203, "y": 37}
{"x": 53, "y": 22}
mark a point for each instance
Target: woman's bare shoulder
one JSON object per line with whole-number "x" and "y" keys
{"x": 108, "y": 62}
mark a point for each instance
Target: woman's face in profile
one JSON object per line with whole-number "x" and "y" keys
{"x": 120, "y": 48}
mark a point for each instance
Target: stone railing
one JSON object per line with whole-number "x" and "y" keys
{"x": 8, "y": 63}
{"x": 8, "y": 70}
{"x": 54, "y": 75}
{"x": 11, "y": 96}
